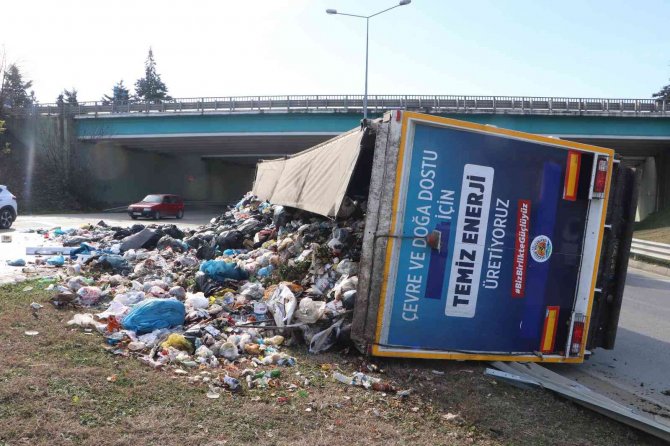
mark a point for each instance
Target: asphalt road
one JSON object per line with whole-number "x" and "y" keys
{"x": 640, "y": 361}
{"x": 192, "y": 219}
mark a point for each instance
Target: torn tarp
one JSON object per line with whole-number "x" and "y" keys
{"x": 314, "y": 180}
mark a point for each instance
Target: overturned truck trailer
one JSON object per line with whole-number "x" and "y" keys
{"x": 480, "y": 243}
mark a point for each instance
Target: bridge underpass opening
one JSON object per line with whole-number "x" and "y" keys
{"x": 651, "y": 160}
{"x": 239, "y": 140}
{"x": 202, "y": 169}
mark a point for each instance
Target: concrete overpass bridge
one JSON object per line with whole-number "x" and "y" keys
{"x": 217, "y": 138}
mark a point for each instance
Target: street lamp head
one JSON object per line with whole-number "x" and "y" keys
{"x": 404, "y": 2}
{"x": 334, "y": 11}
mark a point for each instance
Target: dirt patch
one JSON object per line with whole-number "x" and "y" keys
{"x": 54, "y": 390}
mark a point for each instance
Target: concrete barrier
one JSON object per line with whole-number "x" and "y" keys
{"x": 650, "y": 251}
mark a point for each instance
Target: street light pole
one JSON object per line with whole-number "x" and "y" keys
{"x": 365, "y": 95}
{"x": 367, "y": 39}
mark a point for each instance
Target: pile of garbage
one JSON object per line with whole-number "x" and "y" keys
{"x": 229, "y": 294}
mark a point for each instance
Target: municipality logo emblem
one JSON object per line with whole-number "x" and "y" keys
{"x": 540, "y": 248}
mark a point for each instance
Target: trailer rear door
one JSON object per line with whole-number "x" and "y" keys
{"x": 492, "y": 247}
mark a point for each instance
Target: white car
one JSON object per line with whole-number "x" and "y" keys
{"x": 8, "y": 208}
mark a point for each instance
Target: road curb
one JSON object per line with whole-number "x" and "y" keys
{"x": 650, "y": 267}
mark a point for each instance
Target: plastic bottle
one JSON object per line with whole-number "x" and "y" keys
{"x": 344, "y": 379}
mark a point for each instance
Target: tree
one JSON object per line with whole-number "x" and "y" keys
{"x": 4, "y": 146}
{"x": 151, "y": 88}
{"x": 120, "y": 95}
{"x": 663, "y": 94}
{"x": 14, "y": 91}
{"x": 68, "y": 97}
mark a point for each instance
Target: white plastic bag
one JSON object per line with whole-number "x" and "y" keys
{"x": 282, "y": 304}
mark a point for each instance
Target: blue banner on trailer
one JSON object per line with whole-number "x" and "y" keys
{"x": 483, "y": 241}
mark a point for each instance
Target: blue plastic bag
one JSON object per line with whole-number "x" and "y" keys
{"x": 114, "y": 262}
{"x": 17, "y": 262}
{"x": 56, "y": 261}
{"x": 84, "y": 248}
{"x": 220, "y": 270}
{"x": 265, "y": 271}
{"x": 154, "y": 314}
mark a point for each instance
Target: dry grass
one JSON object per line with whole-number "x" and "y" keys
{"x": 54, "y": 390}
{"x": 661, "y": 235}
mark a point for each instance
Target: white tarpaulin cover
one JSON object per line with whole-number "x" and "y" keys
{"x": 314, "y": 180}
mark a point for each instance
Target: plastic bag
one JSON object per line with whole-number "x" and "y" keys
{"x": 228, "y": 350}
{"x": 114, "y": 262}
{"x": 74, "y": 283}
{"x": 56, "y": 261}
{"x": 116, "y": 308}
{"x": 17, "y": 262}
{"x": 129, "y": 298}
{"x": 89, "y": 295}
{"x": 325, "y": 339}
{"x": 84, "y": 249}
{"x": 197, "y": 301}
{"x": 345, "y": 284}
{"x": 179, "y": 342}
{"x": 252, "y": 290}
{"x": 86, "y": 321}
{"x": 178, "y": 292}
{"x": 265, "y": 271}
{"x": 220, "y": 270}
{"x": 347, "y": 267}
{"x": 153, "y": 314}
{"x": 282, "y": 304}
{"x": 310, "y": 311}
{"x": 150, "y": 339}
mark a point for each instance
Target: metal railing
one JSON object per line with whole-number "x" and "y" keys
{"x": 376, "y": 104}
{"x": 653, "y": 251}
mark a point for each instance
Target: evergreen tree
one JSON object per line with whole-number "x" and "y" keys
{"x": 151, "y": 88}
{"x": 14, "y": 91}
{"x": 120, "y": 95}
{"x": 68, "y": 97}
{"x": 663, "y": 94}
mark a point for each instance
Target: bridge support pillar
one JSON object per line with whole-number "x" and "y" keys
{"x": 663, "y": 172}
{"x": 647, "y": 201}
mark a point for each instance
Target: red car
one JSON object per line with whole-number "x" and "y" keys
{"x": 157, "y": 206}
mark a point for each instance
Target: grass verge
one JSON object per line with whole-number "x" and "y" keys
{"x": 54, "y": 390}
{"x": 655, "y": 228}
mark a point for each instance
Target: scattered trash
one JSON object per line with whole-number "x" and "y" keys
{"x": 16, "y": 262}
{"x": 31, "y": 333}
{"x": 227, "y": 295}
{"x": 35, "y": 308}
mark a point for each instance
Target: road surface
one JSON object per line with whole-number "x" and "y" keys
{"x": 640, "y": 361}
{"x": 191, "y": 219}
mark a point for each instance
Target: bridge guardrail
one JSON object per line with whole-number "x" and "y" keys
{"x": 653, "y": 251}
{"x": 376, "y": 103}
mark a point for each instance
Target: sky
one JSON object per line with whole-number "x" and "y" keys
{"x": 568, "y": 48}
